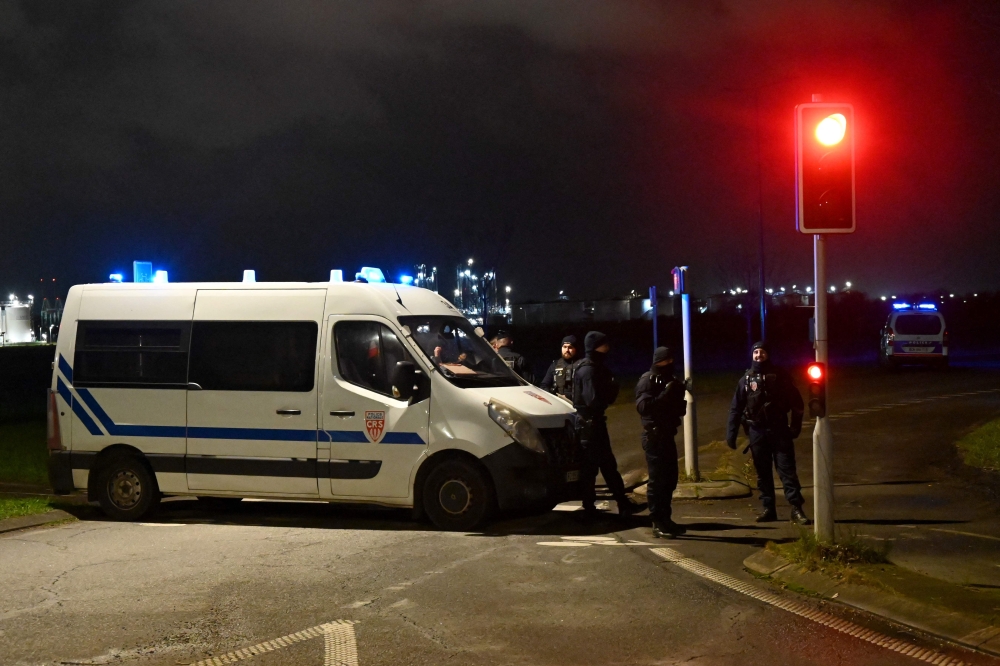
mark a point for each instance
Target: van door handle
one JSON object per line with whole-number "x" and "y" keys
{"x": 289, "y": 412}
{"x": 341, "y": 413}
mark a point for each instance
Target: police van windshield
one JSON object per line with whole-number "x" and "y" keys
{"x": 461, "y": 355}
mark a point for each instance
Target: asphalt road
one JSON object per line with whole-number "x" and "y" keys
{"x": 189, "y": 585}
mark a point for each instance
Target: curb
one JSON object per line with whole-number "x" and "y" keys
{"x": 961, "y": 629}
{"x": 22, "y": 522}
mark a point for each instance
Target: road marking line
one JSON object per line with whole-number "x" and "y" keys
{"x": 340, "y": 645}
{"x": 803, "y": 610}
{"x": 972, "y": 534}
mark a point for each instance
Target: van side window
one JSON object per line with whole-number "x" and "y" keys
{"x": 131, "y": 354}
{"x": 254, "y": 355}
{"x": 367, "y": 352}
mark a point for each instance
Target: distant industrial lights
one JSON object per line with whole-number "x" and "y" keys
{"x": 30, "y": 297}
{"x": 783, "y": 289}
{"x": 458, "y": 292}
{"x": 470, "y": 261}
{"x": 671, "y": 292}
{"x": 883, "y": 298}
{"x": 951, "y": 295}
{"x": 833, "y": 288}
{"x": 847, "y": 284}
{"x": 507, "y": 289}
{"x": 250, "y": 275}
{"x": 809, "y": 290}
{"x": 116, "y": 277}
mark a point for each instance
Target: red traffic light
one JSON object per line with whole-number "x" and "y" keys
{"x": 824, "y": 168}
{"x": 815, "y": 371}
{"x": 831, "y": 130}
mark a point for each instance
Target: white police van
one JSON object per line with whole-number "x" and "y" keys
{"x": 345, "y": 392}
{"x": 914, "y": 334}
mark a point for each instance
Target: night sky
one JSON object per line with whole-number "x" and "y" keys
{"x": 586, "y": 146}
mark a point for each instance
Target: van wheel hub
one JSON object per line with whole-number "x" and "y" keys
{"x": 455, "y": 496}
{"x": 124, "y": 489}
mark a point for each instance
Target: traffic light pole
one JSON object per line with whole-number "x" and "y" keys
{"x": 822, "y": 438}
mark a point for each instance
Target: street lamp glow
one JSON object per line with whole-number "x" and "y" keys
{"x": 848, "y": 284}
{"x": 883, "y": 298}
{"x": 832, "y": 288}
{"x": 507, "y": 289}
{"x": 470, "y": 261}
{"x": 831, "y": 129}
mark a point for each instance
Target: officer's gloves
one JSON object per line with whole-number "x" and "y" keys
{"x": 731, "y": 443}
{"x": 796, "y": 430}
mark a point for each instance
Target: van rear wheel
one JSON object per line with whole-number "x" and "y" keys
{"x": 127, "y": 490}
{"x": 458, "y": 496}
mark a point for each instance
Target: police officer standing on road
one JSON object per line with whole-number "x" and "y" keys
{"x": 764, "y": 396}
{"x": 516, "y": 362}
{"x": 659, "y": 399}
{"x": 594, "y": 390}
{"x": 559, "y": 377}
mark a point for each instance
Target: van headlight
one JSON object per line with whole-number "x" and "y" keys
{"x": 516, "y": 426}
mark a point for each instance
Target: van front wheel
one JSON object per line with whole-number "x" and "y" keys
{"x": 127, "y": 490}
{"x": 458, "y": 496}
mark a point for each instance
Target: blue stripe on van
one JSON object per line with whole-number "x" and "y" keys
{"x": 127, "y": 430}
{"x": 78, "y": 409}
{"x": 402, "y": 438}
{"x": 65, "y": 369}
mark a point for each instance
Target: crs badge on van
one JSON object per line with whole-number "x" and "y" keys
{"x": 345, "y": 392}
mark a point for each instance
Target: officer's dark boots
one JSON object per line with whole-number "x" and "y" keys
{"x": 799, "y": 516}
{"x": 627, "y": 507}
{"x": 667, "y": 529}
{"x": 767, "y": 516}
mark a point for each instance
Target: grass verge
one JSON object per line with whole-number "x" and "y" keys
{"x": 844, "y": 560}
{"x": 23, "y": 453}
{"x": 981, "y": 447}
{"x": 12, "y": 507}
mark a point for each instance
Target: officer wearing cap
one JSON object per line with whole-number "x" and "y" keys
{"x": 764, "y": 397}
{"x": 559, "y": 377}
{"x": 516, "y": 362}
{"x": 659, "y": 399}
{"x": 594, "y": 390}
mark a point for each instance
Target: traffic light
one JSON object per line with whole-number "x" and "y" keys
{"x": 824, "y": 168}
{"x": 816, "y": 372}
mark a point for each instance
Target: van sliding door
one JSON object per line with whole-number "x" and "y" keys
{"x": 252, "y": 398}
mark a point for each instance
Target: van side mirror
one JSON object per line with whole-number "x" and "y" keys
{"x": 404, "y": 376}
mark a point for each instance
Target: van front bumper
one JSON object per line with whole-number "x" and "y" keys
{"x": 524, "y": 479}
{"x": 60, "y": 472}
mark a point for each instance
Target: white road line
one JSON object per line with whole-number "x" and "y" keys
{"x": 806, "y": 611}
{"x": 905, "y": 403}
{"x": 340, "y": 645}
{"x": 971, "y": 534}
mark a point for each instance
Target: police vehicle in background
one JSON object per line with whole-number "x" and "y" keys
{"x": 342, "y": 392}
{"x": 914, "y": 334}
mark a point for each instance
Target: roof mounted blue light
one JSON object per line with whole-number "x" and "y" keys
{"x": 116, "y": 277}
{"x": 901, "y": 306}
{"x": 405, "y": 279}
{"x": 370, "y": 274}
{"x": 927, "y": 306}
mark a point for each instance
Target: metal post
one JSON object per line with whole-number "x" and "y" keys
{"x": 822, "y": 438}
{"x": 652, "y": 301}
{"x": 690, "y": 422}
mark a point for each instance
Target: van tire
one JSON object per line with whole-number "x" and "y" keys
{"x": 458, "y": 496}
{"x": 126, "y": 488}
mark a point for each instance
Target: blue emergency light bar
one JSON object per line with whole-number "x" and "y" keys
{"x": 161, "y": 277}
{"x": 405, "y": 279}
{"x": 927, "y": 306}
{"x": 901, "y": 306}
{"x": 370, "y": 274}
{"x": 116, "y": 277}
{"x": 921, "y": 306}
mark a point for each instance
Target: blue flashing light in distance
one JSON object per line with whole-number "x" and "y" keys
{"x": 161, "y": 277}
{"x": 336, "y": 275}
{"x": 250, "y": 275}
{"x": 142, "y": 271}
{"x": 901, "y": 306}
{"x": 927, "y": 306}
{"x": 405, "y": 279}
{"x": 371, "y": 274}
{"x": 116, "y": 277}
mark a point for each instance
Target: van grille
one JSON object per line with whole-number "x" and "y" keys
{"x": 563, "y": 451}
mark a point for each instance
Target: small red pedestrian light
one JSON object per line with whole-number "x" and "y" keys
{"x": 815, "y": 371}
{"x": 831, "y": 130}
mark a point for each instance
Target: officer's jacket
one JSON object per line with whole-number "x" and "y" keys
{"x": 659, "y": 399}
{"x": 594, "y": 388}
{"x": 516, "y": 363}
{"x": 782, "y": 396}
{"x": 559, "y": 378}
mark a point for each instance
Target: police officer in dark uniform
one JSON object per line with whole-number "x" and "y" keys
{"x": 659, "y": 399}
{"x": 515, "y": 361}
{"x": 594, "y": 389}
{"x": 559, "y": 377}
{"x": 764, "y": 396}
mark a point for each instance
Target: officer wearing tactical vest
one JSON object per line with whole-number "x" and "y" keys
{"x": 764, "y": 396}
{"x": 559, "y": 377}
{"x": 659, "y": 399}
{"x": 516, "y": 362}
{"x": 594, "y": 390}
